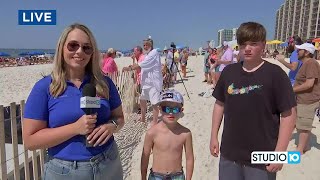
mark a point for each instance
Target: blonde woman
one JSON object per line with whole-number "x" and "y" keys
{"x": 53, "y": 118}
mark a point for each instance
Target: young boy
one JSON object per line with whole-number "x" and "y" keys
{"x": 167, "y": 140}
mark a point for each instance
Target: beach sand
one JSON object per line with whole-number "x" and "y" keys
{"x": 16, "y": 84}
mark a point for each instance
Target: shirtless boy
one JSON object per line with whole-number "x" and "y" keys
{"x": 167, "y": 140}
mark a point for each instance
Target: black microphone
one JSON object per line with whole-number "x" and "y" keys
{"x": 89, "y": 102}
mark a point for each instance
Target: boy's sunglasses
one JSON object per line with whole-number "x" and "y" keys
{"x": 173, "y": 110}
{"x": 73, "y": 46}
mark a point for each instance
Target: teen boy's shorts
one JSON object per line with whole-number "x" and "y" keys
{"x": 306, "y": 113}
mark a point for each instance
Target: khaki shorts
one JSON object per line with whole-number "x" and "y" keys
{"x": 306, "y": 113}
{"x": 151, "y": 95}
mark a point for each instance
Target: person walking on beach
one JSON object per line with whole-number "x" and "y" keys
{"x": 167, "y": 140}
{"x": 184, "y": 62}
{"x": 206, "y": 66}
{"x": 177, "y": 57}
{"x": 259, "y": 108}
{"x": 294, "y": 64}
{"x": 213, "y": 57}
{"x": 53, "y": 118}
{"x": 307, "y": 89}
{"x": 151, "y": 80}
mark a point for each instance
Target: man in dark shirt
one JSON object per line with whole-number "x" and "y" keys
{"x": 258, "y": 104}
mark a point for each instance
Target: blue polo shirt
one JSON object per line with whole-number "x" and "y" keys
{"x": 65, "y": 109}
{"x": 292, "y": 74}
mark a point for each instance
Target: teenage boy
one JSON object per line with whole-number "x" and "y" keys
{"x": 258, "y": 104}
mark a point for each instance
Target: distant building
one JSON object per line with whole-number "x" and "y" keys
{"x": 298, "y": 17}
{"x": 226, "y": 35}
{"x": 212, "y": 43}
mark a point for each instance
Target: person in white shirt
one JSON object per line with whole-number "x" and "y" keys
{"x": 151, "y": 80}
{"x": 226, "y": 59}
{"x": 236, "y": 56}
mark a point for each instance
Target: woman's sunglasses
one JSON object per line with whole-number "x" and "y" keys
{"x": 173, "y": 110}
{"x": 73, "y": 46}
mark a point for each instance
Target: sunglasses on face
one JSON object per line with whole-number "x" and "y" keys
{"x": 73, "y": 46}
{"x": 173, "y": 110}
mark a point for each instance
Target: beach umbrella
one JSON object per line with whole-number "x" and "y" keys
{"x": 268, "y": 42}
{"x": 126, "y": 51}
{"x": 24, "y": 54}
{"x": 180, "y": 46}
{"x": 32, "y": 53}
{"x": 316, "y": 40}
{"x": 275, "y": 42}
{"x": 36, "y": 53}
{"x": 3, "y": 54}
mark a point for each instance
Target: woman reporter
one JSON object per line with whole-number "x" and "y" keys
{"x": 53, "y": 118}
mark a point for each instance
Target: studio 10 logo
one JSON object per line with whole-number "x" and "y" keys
{"x": 37, "y": 17}
{"x": 271, "y": 157}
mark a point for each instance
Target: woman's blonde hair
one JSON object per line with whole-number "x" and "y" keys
{"x": 58, "y": 84}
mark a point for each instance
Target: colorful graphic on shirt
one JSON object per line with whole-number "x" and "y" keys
{"x": 244, "y": 90}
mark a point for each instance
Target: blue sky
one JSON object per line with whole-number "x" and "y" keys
{"x": 123, "y": 24}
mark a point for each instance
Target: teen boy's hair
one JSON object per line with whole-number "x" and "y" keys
{"x": 251, "y": 31}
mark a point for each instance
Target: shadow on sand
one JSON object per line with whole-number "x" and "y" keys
{"x": 312, "y": 142}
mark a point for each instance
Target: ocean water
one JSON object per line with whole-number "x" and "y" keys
{"x": 16, "y": 52}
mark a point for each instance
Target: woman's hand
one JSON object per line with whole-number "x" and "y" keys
{"x": 85, "y": 124}
{"x": 100, "y": 135}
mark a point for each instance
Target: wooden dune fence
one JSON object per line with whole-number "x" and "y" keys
{"x": 19, "y": 163}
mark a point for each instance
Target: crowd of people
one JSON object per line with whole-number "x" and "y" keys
{"x": 261, "y": 107}
{"x": 23, "y": 61}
